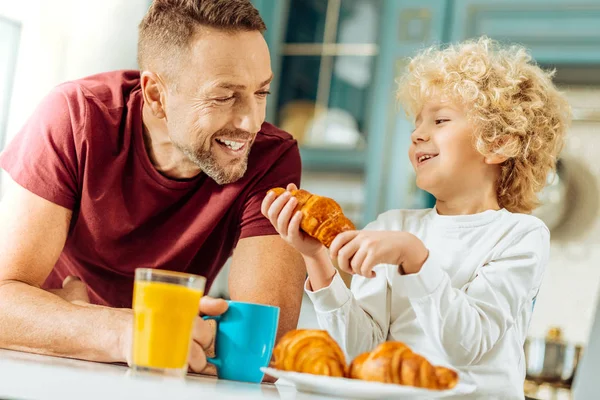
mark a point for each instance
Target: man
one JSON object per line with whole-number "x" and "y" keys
{"x": 166, "y": 168}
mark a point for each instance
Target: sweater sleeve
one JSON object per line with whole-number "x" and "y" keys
{"x": 468, "y": 322}
{"x": 358, "y": 320}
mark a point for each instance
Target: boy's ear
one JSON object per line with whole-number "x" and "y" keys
{"x": 495, "y": 159}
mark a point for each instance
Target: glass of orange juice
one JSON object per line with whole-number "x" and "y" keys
{"x": 165, "y": 304}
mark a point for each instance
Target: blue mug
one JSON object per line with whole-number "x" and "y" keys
{"x": 246, "y": 335}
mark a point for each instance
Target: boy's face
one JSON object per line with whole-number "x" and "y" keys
{"x": 443, "y": 153}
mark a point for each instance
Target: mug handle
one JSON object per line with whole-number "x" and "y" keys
{"x": 214, "y": 361}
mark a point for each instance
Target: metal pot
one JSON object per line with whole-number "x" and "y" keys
{"x": 551, "y": 360}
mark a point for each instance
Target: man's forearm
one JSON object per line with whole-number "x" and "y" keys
{"x": 37, "y": 321}
{"x": 289, "y": 314}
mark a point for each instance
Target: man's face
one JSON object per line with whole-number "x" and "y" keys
{"x": 219, "y": 103}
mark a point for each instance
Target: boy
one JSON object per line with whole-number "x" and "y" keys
{"x": 456, "y": 283}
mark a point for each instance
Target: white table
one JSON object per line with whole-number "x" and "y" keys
{"x": 35, "y": 377}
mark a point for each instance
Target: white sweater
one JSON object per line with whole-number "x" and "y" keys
{"x": 470, "y": 305}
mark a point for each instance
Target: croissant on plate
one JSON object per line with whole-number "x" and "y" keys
{"x": 310, "y": 351}
{"x": 322, "y": 217}
{"x": 394, "y": 362}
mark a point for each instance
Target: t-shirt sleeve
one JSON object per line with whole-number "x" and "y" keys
{"x": 42, "y": 157}
{"x": 287, "y": 169}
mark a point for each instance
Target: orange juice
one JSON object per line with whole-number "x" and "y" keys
{"x": 164, "y": 317}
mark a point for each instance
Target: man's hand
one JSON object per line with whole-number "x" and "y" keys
{"x": 73, "y": 290}
{"x": 203, "y": 335}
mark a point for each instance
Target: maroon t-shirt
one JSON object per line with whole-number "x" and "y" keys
{"x": 83, "y": 149}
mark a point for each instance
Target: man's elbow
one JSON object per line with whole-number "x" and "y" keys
{"x": 4, "y": 283}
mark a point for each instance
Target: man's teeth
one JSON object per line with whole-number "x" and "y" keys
{"x": 425, "y": 157}
{"x": 231, "y": 144}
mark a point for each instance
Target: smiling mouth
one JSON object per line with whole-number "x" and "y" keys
{"x": 422, "y": 159}
{"x": 232, "y": 145}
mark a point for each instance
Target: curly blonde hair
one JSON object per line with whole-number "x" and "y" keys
{"x": 517, "y": 111}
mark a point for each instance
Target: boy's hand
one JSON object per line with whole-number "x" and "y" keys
{"x": 280, "y": 210}
{"x": 358, "y": 252}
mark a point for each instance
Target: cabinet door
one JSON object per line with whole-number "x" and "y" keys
{"x": 556, "y": 31}
{"x": 406, "y": 27}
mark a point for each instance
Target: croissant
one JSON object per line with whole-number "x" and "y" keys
{"x": 394, "y": 362}
{"x": 310, "y": 351}
{"x": 322, "y": 217}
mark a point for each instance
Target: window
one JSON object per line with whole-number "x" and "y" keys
{"x": 9, "y": 43}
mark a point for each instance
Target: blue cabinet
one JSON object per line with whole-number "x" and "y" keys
{"x": 558, "y": 32}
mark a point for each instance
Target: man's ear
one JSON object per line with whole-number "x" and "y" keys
{"x": 154, "y": 92}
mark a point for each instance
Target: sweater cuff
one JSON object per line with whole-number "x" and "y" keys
{"x": 329, "y": 298}
{"x": 426, "y": 281}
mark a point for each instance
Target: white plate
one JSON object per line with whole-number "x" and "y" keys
{"x": 356, "y": 389}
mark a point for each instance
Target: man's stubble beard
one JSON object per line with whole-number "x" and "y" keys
{"x": 209, "y": 165}
{"x": 206, "y": 161}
